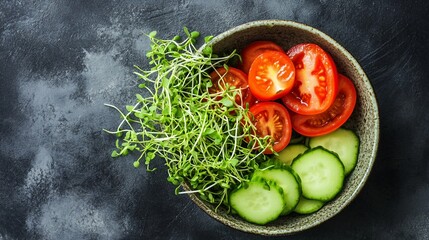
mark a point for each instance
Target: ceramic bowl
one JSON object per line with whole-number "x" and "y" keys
{"x": 364, "y": 121}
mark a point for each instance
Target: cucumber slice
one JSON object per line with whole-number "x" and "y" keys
{"x": 307, "y": 206}
{"x": 285, "y": 178}
{"x": 288, "y": 154}
{"x": 342, "y": 141}
{"x": 321, "y": 173}
{"x": 260, "y": 202}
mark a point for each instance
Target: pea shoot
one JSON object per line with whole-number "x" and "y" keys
{"x": 204, "y": 138}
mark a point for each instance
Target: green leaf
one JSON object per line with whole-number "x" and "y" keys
{"x": 172, "y": 180}
{"x": 129, "y": 108}
{"x": 233, "y": 162}
{"x": 195, "y": 178}
{"x": 207, "y": 50}
{"x": 125, "y": 152}
{"x": 149, "y": 54}
{"x": 172, "y": 47}
{"x": 139, "y": 97}
{"x": 176, "y": 38}
{"x": 165, "y": 111}
{"x": 115, "y": 154}
{"x": 209, "y": 83}
{"x": 185, "y": 29}
{"x": 211, "y": 198}
{"x": 127, "y": 136}
{"x": 152, "y": 108}
{"x": 208, "y": 39}
{"x": 217, "y": 137}
{"x": 195, "y": 34}
{"x": 227, "y": 102}
{"x": 139, "y": 115}
{"x": 152, "y": 34}
{"x": 209, "y": 131}
{"x": 149, "y": 157}
{"x": 136, "y": 164}
{"x": 203, "y": 197}
{"x": 133, "y": 136}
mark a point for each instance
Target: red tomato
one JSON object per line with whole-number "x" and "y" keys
{"x": 271, "y": 76}
{"x": 233, "y": 77}
{"x": 251, "y": 51}
{"x": 316, "y": 81}
{"x": 271, "y": 118}
{"x": 331, "y": 119}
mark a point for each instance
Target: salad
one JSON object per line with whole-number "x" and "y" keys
{"x": 258, "y": 132}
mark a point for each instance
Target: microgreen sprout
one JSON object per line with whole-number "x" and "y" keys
{"x": 206, "y": 139}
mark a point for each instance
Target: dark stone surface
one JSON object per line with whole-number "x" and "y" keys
{"x": 60, "y": 61}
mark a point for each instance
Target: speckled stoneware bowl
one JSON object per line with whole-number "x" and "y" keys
{"x": 365, "y": 119}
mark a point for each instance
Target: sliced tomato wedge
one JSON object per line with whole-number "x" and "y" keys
{"x": 232, "y": 77}
{"x": 271, "y": 76}
{"x": 271, "y": 118}
{"x": 316, "y": 81}
{"x": 251, "y": 51}
{"x": 333, "y": 118}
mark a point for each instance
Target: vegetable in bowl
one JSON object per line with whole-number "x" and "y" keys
{"x": 208, "y": 191}
{"x": 199, "y": 133}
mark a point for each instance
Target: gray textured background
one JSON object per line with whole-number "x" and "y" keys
{"x": 60, "y": 61}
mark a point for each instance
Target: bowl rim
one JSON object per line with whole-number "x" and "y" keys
{"x": 376, "y": 133}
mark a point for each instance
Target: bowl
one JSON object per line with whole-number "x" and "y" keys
{"x": 364, "y": 121}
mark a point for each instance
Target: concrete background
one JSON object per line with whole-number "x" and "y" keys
{"x": 60, "y": 61}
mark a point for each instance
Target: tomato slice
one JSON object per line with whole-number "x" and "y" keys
{"x": 271, "y": 118}
{"x": 251, "y": 51}
{"x": 316, "y": 81}
{"x": 234, "y": 78}
{"x": 271, "y": 76}
{"x": 331, "y": 119}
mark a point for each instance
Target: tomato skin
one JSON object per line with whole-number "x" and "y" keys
{"x": 316, "y": 81}
{"x": 333, "y": 118}
{"x": 233, "y": 77}
{"x": 271, "y": 76}
{"x": 253, "y": 50}
{"x": 272, "y": 118}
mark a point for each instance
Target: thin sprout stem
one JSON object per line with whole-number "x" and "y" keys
{"x": 182, "y": 123}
